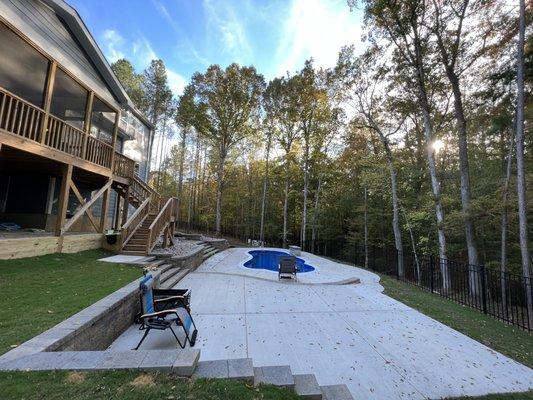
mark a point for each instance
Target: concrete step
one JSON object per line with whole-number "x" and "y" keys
{"x": 163, "y": 267}
{"x": 170, "y": 283}
{"x": 274, "y": 375}
{"x": 306, "y": 386}
{"x": 241, "y": 369}
{"x": 336, "y": 392}
{"x": 169, "y": 273}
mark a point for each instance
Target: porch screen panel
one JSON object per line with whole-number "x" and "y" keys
{"x": 23, "y": 70}
{"x": 69, "y": 100}
{"x": 102, "y": 121}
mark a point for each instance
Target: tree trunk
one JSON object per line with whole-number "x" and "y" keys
{"x": 520, "y": 167}
{"x": 180, "y": 172}
{"x": 315, "y": 214}
{"x": 220, "y": 181}
{"x": 366, "y": 228}
{"x": 286, "y": 204}
{"x": 265, "y": 188}
{"x": 435, "y": 185}
{"x": 473, "y": 258}
{"x": 306, "y": 187}
{"x": 505, "y": 210}
{"x": 395, "y": 207}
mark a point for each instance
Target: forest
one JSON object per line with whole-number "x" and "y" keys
{"x": 418, "y": 138}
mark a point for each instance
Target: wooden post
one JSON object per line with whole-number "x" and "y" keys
{"x": 48, "y": 99}
{"x": 63, "y": 198}
{"x": 87, "y": 125}
{"x": 125, "y": 206}
{"x": 114, "y": 141}
{"x": 105, "y": 205}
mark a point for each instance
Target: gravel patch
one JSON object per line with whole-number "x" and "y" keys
{"x": 181, "y": 247}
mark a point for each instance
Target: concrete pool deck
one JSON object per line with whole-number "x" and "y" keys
{"x": 351, "y": 334}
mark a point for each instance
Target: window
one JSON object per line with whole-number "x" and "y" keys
{"x": 69, "y": 100}
{"x": 23, "y": 70}
{"x": 102, "y": 121}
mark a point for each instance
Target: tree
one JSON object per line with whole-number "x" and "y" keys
{"x": 132, "y": 82}
{"x": 226, "y": 104}
{"x": 520, "y": 164}
{"x": 281, "y": 108}
{"x": 404, "y": 24}
{"x": 184, "y": 118}
{"x": 457, "y": 50}
{"x": 158, "y": 96}
{"x": 375, "y": 112}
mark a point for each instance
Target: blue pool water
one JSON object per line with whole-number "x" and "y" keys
{"x": 269, "y": 259}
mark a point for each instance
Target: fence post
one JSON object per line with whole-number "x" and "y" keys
{"x": 431, "y": 271}
{"x": 481, "y": 271}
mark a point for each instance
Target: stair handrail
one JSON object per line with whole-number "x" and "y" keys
{"x": 134, "y": 222}
{"x": 159, "y": 223}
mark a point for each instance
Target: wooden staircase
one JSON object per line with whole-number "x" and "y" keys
{"x": 153, "y": 217}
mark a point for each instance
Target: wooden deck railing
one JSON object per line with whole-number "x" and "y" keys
{"x": 124, "y": 166}
{"x": 64, "y": 137}
{"x": 20, "y": 117}
{"x": 23, "y": 119}
{"x": 159, "y": 224}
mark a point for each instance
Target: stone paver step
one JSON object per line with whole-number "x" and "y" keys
{"x": 170, "y": 283}
{"x": 163, "y": 267}
{"x": 169, "y": 273}
{"x": 279, "y": 375}
{"x": 336, "y": 392}
{"x": 306, "y": 386}
{"x": 240, "y": 368}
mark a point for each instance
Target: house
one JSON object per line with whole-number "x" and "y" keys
{"x": 73, "y": 147}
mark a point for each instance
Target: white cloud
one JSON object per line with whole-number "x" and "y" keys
{"x": 112, "y": 45}
{"x": 226, "y": 27}
{"x": 176, "y": 82}
{"x": 318, "y": 29}
{"x": 142, "y": 52}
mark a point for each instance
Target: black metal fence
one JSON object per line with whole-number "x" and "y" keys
{"x": 503, "y": 295}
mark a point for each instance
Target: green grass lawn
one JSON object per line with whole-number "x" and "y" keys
{"x": 506, "y": 339}
{"x": 130, "y": 385}
{"x": 39, "y": 292}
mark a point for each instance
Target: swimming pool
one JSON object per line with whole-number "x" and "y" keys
{"x": 269, "y": 260}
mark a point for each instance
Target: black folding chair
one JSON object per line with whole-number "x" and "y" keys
{"x": 163, "y": 307}
{"x": 287, "y": 268}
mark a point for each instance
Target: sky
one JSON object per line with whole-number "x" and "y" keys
{"x": 276, "y": 36}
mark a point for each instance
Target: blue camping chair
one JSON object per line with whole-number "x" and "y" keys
{"x": 163, "y": 307}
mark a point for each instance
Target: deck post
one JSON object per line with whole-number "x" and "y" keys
{"x": 125, "y": 206}
{"x": 87, "y": 126}
{"x": 114, "y": 140}
{"x": 105, "y": 206}
{"x": 63, "y": 198}
{"x": 48, "y": 99}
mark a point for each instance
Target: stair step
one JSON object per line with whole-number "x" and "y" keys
{"x": 336, "y": 392}
{"x": 137, "y": 241}
{"x": 170, "y": 283}
{"x": 187, "y": 362}
{"x": 241, "y": 368}
{"x": 169, "y": 273}
{"x": 133, "y": 253}
{"x": 274, "y": 375}
{"x": 135, "y": 247}
{"x": 164, "y": 267}
{"x": 306, "y": 386}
